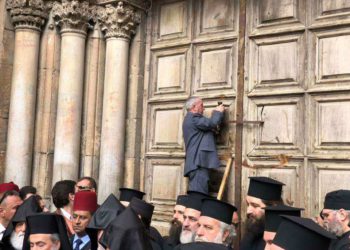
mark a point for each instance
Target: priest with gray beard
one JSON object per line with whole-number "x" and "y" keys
{"x": 191, "y": 216}
{"x": 14, "y": 234}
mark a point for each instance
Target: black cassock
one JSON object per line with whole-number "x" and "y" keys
{"x": 252, "y": 242}
{"x": 202, "y": 246}
{"x": 341, "y": 243}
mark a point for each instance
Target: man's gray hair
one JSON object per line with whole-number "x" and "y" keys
{"x": 55, "y": 237}
{"x": 231, "y": 233}
{"x": 190, "y": 102}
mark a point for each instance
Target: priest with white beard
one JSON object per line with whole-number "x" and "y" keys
{"x": 14, "y": 234}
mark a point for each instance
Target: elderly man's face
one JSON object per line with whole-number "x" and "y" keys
{"x": 43, "y": 242}
{"x": 190, "y": 225}
{"x": 198, "y": 106}
{"x": 209, "y": 230}
{"x": 17, "y": 235}
{"x": 179, "y": 213}
{"x": 332, "y": 221}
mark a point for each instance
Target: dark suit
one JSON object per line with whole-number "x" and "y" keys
{"x": 201, "y": 153}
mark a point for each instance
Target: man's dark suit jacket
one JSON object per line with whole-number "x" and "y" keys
{"x": 200, "y": 141}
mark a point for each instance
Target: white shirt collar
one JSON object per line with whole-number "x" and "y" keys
{"x": 66, "y": 214}
{"x": 85, "y": 239}
{"x": 2, "y": 231}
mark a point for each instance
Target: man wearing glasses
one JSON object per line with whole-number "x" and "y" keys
{"x": 86, "y": 184}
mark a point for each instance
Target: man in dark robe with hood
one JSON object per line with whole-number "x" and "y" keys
{"x": 104, "y": 215}
{"x": 145, "y": 211}
{"x": 127, "y": 232}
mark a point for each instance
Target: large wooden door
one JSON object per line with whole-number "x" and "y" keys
{"x": 297, "y": 80}
{"x": 191, "y": 51}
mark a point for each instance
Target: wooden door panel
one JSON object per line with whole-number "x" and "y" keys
{"x": 291, "y": 173}
{"x": 276, "y": 63}
{"x": 170, "y": 75}
{"x": 326, "y": 176}
{"x": 283, "y": 128}
{"x": 325, "y": 13}
{"x": 274, "y": 16}
{"x": 215, "y": 69}
{"x": 171, "y": 21}
{"x": 215, "y": 18}
{"x": 329, "y": 67}
{"x": 165, "y": 127}
{"x": 329, "y": 126}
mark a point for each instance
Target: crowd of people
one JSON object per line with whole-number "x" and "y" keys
{"x": 199, "y": 220}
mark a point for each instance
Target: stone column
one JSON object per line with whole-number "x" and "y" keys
{"x": 119, "y": 24}
{"x": 46, "y": 107}
{"x": 28, "y": 16}
{"x": 93, "y": 96}
{"x": 72, "y": 18}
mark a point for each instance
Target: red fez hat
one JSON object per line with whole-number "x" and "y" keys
{"x": 85, "y": 201}
{"x": 8, "y": 186}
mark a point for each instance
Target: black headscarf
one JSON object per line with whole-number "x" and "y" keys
{"x": 127, "y": 232}
{"x": 104, "y": 215}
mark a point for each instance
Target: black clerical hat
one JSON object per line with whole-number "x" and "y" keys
{"x": 142, "y": 208}
{"x": 265, "y": 188}
{"x": 46, "y": 223}
{"x": 181, "y": 200}
{"x": 217, "y": 209}
{"x": 295, "y": 233}
{"x": 126, "y": 194}
{"x": 103, "y": 216}
{"x": 337, "y": 199}
{"x": 199, "y": 195}
{"x": 193, "y": 202}
{"x": 273, "y": 215}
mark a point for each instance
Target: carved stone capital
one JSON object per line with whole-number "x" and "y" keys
{"x": 29, "y": 14}
{"x": 72, "y": 15}
{"x": 120, "y": 20}
{"x": 144, "y": 5}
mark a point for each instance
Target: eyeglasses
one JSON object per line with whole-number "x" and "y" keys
{"x": 84, "y": 188}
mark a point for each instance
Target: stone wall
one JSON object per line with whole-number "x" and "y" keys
{"x": 6, "y": 62}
